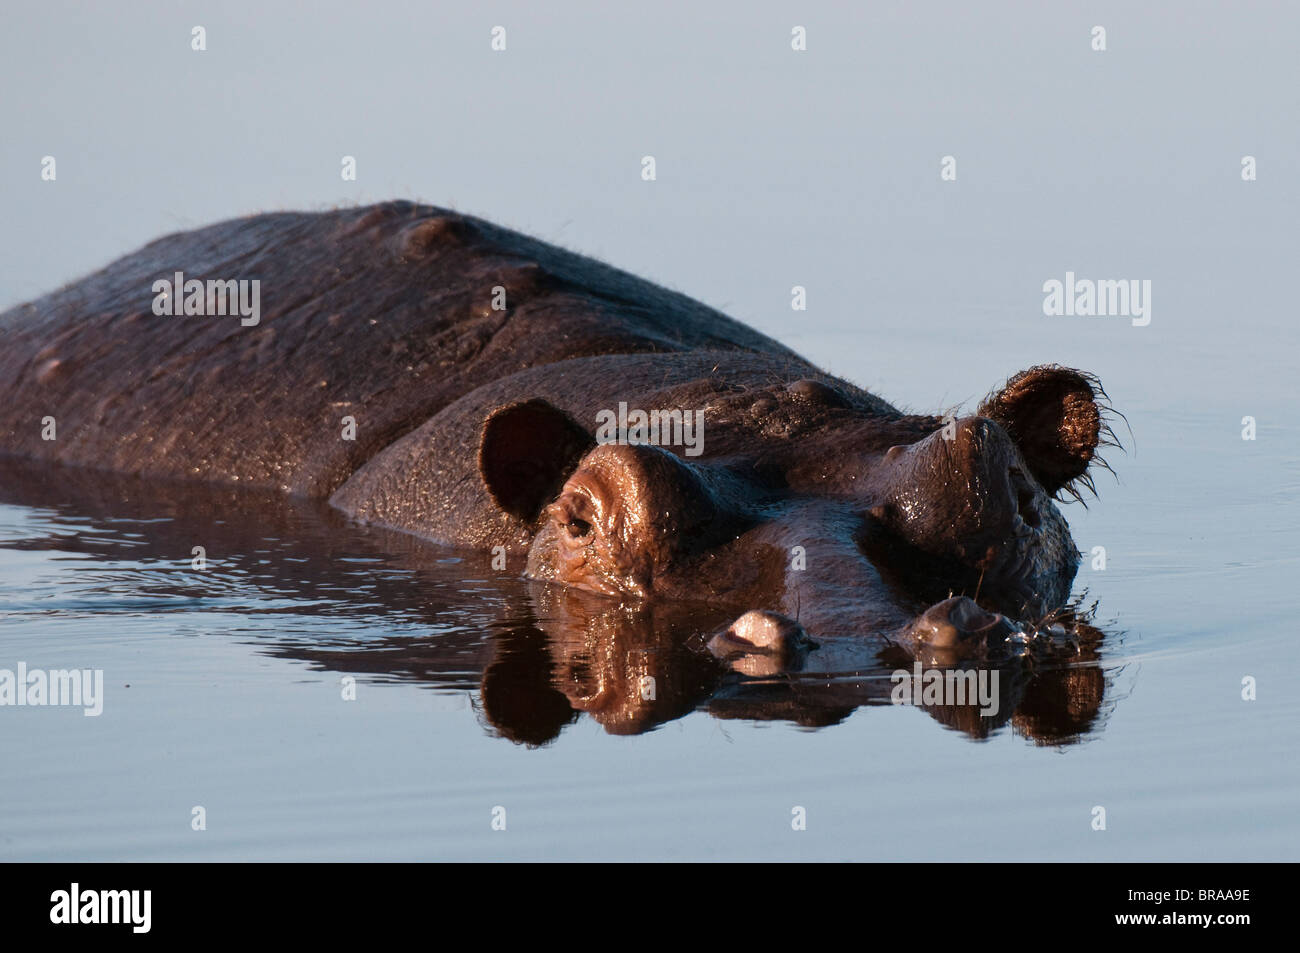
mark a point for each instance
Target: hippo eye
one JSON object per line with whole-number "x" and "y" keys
{"x": 568, "y": 512}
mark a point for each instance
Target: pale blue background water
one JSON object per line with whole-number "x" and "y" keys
{"x": 775, "y": 168}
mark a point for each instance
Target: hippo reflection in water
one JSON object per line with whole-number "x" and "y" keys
{"x": 435, "y": 374}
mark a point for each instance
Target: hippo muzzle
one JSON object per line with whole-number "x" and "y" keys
{"x": 965, "y": 501}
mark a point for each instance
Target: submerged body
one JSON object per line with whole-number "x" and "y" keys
{"x": 439, "y": 375}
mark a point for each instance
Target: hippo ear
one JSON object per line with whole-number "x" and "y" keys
{"x": 526, "y": 452}
{"x": 1057, "y": 417}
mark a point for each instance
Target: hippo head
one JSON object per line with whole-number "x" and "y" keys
{"x": 847, "y": 518}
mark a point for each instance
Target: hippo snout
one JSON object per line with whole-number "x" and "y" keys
{"x": 966, "y": 495}
{"x": 965, "y": 485}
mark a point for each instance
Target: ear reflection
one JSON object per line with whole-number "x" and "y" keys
{"x": 517, "y": 692}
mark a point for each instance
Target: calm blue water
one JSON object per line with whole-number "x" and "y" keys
{"x": 223, "y": 688}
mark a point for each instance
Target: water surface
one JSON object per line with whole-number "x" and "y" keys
{"x": 224, "y": 687}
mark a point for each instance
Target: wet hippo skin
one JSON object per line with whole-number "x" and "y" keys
{"x": 476, "y": 362}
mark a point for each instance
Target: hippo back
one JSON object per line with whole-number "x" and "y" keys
{"x": 385, "y": 315}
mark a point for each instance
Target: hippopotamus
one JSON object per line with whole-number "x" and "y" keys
{"x": 429, "y": 372}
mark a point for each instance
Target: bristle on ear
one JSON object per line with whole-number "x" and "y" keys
{"x": 1060, "y": 418}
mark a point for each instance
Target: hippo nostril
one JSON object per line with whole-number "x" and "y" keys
{"x": 764, "y": 632}
{"x": 969, "y": 618}
{"x": 1025, "y": 496}
{"x": 958, "y": 624}
{"x": 1025, "y": 506}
